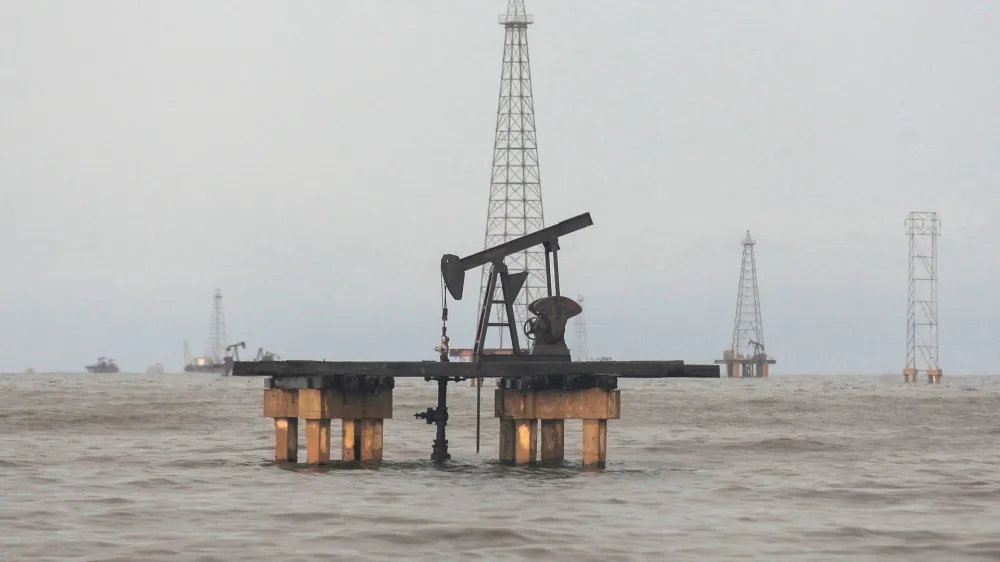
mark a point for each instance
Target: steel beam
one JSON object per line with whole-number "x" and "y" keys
{"x": 431, "y": 369}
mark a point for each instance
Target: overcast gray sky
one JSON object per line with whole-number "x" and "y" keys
{"x": 315, "y": 159}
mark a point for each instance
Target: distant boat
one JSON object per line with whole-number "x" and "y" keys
{"x": 103, "y": 365}
{"x": 156, "y": 369}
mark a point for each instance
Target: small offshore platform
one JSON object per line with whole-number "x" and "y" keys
{"x": 214, "y": 360}
{"x": 746, "y": 356}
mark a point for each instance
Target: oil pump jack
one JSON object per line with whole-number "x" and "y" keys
{"x": 546, "y": 365}
{"x": 546, "y": 328}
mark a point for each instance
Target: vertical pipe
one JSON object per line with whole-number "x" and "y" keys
{"x": 548, "y": 271}
{"x": 555, "y": 267}
{"x": 440, "y": 451}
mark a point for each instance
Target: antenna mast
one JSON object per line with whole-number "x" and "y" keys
{"x": 515, "y": 206}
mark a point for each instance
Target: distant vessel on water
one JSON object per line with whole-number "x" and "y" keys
{"x": 103, "y": 365}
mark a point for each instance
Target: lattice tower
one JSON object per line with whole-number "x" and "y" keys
{"x": 747, "y": 326}
{"x": 217, "y": 330}
{"x": 515, "y": 206}
{"x": 923, "y": 229}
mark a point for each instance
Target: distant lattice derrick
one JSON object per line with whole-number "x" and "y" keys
{"x": 748, "y": 330}
{"x": 922, "y": 229}
{"x": 217, "y": 330}
{"x": 515, "y": 204}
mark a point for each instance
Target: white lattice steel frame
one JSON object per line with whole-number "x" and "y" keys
{"x": 217, "y": 330}
{"x": 923, "y": 229}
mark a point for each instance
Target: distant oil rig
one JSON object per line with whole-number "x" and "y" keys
{"x": 214, "y": 360}
{"x": 219, "y": 357}
{"x": 746, "y": 356}
{"x": 923, "y": 229}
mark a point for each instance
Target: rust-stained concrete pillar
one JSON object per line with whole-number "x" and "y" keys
{"x": 318, "y": 441}
{"x": 286, "y": 439}
{"x": 519, "y": 412}
{"x": 282, "y": 405}
{"x": 313, "y": 408}
{"x": 909, "y": 375}
{"x": 525, "y": 446}
{"x": 348, "y": 446}
{"x": 553, "y": 441}
{"x": 507, "y": 441}
{"x": 595, "y": 443}
{"x": 361, "y": 415}
{"x": 367, "y": 441}
{"x": 933, "y": 376}
{"x": 377, "y": 440}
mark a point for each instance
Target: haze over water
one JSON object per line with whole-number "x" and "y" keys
{"x": 177, "y": 467}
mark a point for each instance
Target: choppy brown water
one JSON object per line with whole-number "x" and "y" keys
{"x": 176, "y": 467}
